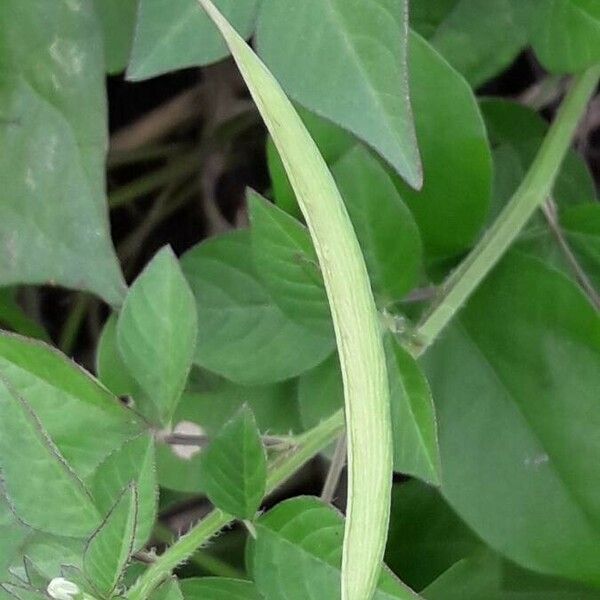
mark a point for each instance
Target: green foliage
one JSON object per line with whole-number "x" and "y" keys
{"x": 218, "y": 588}
{"x": 516, "y": 133}
{"x": 67, "y": 401}
{"x": 245, "y": 336}
{"x": 133, "y": 462}
{"x": 169, "y": 590}
{"x": 414, "y": 428}
{"x": 386, "y": 231}
{"x": 25, "y": 447}
{"x": 453, "y": 204}
{"x": 209, "y": 408}
{"x": 118, "y": 20}
{"x": 510, "y": 432}
{"x": 234, "y": 467}
{"x": 479, "y": 38}
{"x": 298, "y": 549}
{"x": 368, "y": 93}
{"x": 426, "y": 536}
{"x": 156, "y": 332}
{"x": 414, "y": 424}
{"x": 565, "y": 34}
{"x": 333, "y": 142}
{"x": 287, "y": 263}
{"x": 364, "y": 272}
{"x": 13, "y": 317}
{"x": 172, "y": 34}
{"x": 487, "y": 576}
{"x": 111, "y": 546}
{"x": 53, "y": 222}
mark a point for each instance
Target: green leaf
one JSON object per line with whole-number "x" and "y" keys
{"x": 504, "y": 379}
{"x": 320, "y": 392}
{"x": 156, "y": 332}
{"x": 365, "y": 88}
{"x": 580, "y": 228}
{"x": 168, "y": 590}
{"x": 581, "y": 225}
{"x": 416, "y": 450}
{"x": 13, "y": 535}
{"x": 68, "y": 401}
{"x": 234, "y": 467}
{"x": 333, "y": 142}
{"x": 207, "y": 410}
{"x": 111, "y": 546}
{"x": 288, "y": 266}
{"x": 486, "y": 577}
{"x": 21, "y": 592}
{"x": 218, "y": 588}
{"x": 50, "y": 553}
{"x": 33, "y": 469}
{"x": 386, "y": 230}
{"x": 133, "y": 461}
{"x": 426, "y": 536}
{"x": 53, "y": 219}
{"x": 112, "y": 371}
{"x": 299, "y": 548}
{"x": 479, "y": 38}
{"x": 13, "y": 317}
{"x": 173, "y": 34}
{"x": 118, "y": 21}
{"x": 35, "y": 578}
{"x": 245, "y": 336}
{"x": 565, "y": 34}
{"x": 414, "y": 428}
{"x": 516, "y": 133}
{"x": 453, "y": 204}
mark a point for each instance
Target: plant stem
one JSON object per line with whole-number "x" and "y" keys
{"x": 200, "y": 441}
{"x": 532, "y": 192}
{"x": 208, "y": 562}
{"x": 310, "y": 444}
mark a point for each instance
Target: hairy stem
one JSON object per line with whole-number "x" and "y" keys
{"x": 207, "y": 562}
{"x": 309, "y": 444}
{"x": 531, "y": 194}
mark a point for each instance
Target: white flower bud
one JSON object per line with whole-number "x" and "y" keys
{"x": 63, "y": 589}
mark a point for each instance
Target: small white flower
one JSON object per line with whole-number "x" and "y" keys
{"x": 63, "y": 589}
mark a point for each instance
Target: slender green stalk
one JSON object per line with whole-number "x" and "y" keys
{"x": 532, "y": 193}
{"x": 309, "y": 444}
{"x": 208, "y": 562}
{"x": 354, "y": 315}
